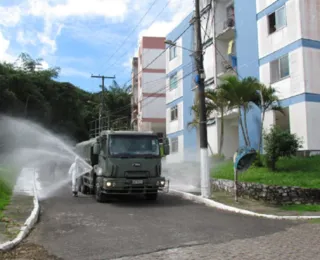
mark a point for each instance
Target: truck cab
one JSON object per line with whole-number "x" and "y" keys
{"x": 125, "y": 163}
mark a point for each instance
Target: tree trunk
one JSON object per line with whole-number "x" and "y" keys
{"x": 221, "y": 133}
{"x": 261, "y": 131}
{"x": 242, "y": 129}
{"x": 246, "y": 125}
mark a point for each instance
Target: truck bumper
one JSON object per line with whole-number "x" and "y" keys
{"x": 123, "y": 186}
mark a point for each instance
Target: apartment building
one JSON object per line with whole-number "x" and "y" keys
{"x": 134, "y": 93}
{"x": 149, "y": 95}
{"x": 180, "y": 95}
{"x": 278, "y": 41}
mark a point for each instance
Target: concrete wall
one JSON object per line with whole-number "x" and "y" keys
{"x": 150, "y": 54}
{"x": 183, "y": 95}
{"x": 269, "y": 43}
{"x": 153, "y": 107}
{"x": 153, "y": 82}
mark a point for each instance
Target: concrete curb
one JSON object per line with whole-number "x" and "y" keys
{"x": 212, "y": 203}
{"x": 28, "y": 225}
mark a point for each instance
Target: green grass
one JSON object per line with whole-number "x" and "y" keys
{"x": 297, "y": 171}
{"x": 302, "y": 208}
{"x": 7, "y": 181}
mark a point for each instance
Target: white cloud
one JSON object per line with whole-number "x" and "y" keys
{"x": 74, "y": 72}
{"x": 163, "y": 27}
{"x": 26, "y": 38}
{"x": 79, "y": 8}
{"x": 4, "y": 46}
{"x": 10, "y": 16}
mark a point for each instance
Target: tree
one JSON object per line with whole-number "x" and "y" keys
{"x": 29, "y": 90}
{"x": 279, "y": 143}
{"x": 270, "y": 102}
{"x": 241, "y": 94}
{"x": 216, "y": 100}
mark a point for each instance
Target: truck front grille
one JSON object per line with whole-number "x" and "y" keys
{"x": 136, "y": 174}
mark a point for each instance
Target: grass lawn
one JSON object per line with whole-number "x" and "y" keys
{"x": 7, "y": 181}
{"x": 302, "y": 208}
{"x": 297, "y": 171}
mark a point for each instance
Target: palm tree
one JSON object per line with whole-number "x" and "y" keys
{"x": 241, "y": 94}
{"x": 270, "y": 102}
{"x": 217, "y": 101}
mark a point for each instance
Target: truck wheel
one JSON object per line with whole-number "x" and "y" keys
{"x": 152, "y": 196}
{"x": 98, "y": 195}
{"x": 84, "y": 189}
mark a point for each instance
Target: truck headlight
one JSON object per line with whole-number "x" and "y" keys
{"x": 162, "y": 183}
{"x": 108, "y": 183}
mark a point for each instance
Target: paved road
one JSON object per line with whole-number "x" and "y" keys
{"x": 79, "y": 228}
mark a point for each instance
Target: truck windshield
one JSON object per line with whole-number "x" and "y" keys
{"x": 133, "y": 145}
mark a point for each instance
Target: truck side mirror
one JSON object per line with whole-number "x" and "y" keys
{"x": 96, "y": 149}
{"x": 166, "y": 146}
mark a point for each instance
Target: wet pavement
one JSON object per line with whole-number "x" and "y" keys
{"x": 82, "y": 229}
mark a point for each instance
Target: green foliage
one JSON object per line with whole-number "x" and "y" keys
{"x": 291, "y": 171}
{"x": 279, "y": 143}
{"x": 27, "y": 90}
{"x": 7, "y": 180}
{"x": 258, "y": 162}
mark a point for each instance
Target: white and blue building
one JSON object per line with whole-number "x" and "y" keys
{"x": 180, "y": 94}
{"x": 278, "y": 42}
{"x": 275, "y": 41}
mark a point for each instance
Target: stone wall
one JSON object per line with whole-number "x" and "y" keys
{"x": 270, "y": 194}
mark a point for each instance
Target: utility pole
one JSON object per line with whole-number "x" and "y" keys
{"x": 102, "y": 99}
{"x": 205, "y": 175}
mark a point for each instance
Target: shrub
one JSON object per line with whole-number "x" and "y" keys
{"x": 258, "y": 162}
{"x": 279, "y": 143}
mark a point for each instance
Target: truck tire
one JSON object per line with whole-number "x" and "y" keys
{"x": 84, "y": 189}
{"x": 152, "y": 196}
{"x": 98, "y": 195}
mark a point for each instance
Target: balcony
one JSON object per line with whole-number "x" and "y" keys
{"x": 226, "y": 30}
{"x": 228, "y": 68}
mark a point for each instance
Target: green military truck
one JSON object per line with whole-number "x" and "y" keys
{"x": 124, "y": 163}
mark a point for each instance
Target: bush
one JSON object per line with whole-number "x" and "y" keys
{"x": 258, "y": 162}
{"x": 279, "y": 143}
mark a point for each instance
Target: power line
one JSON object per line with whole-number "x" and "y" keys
{"x": 157, "y": 56}
{"x": 150, "y": 7}
{"x": 126, "y": 52}
{"x": 160, "y": 90}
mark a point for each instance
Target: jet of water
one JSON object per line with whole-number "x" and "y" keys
{"x": 26, "y": 144}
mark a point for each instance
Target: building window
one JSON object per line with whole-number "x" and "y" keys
{"x": 174, "y": 145}
{"x": 174, "y": 113}
{"x": 173, "y": 52}
{"x": 173, "y": 82}
{"x": 277, "y": 20}
{"x": 279, "y": 69}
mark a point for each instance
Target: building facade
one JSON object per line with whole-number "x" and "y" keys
{"x": 278, "y": 42}
{"x": 180, "y": 95}
{"x": 134, "y": 93}
{"x": 150, "y": 94}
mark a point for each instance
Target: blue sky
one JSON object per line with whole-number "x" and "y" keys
{"x": 80, "y": 36}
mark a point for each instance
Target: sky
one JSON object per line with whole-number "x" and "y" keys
{"x": 85, "y": 37}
